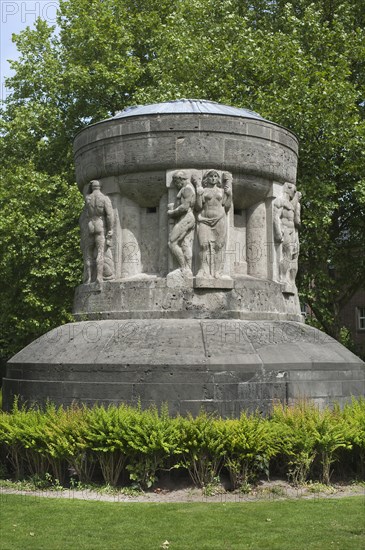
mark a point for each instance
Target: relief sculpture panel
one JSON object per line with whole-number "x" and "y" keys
{"x": 198, "y": 234}
{"x": 286, "y": 225}
{"x": 96, "y": 223}
{"x": 213, "y": 201}
{"x": 182, "y": 212}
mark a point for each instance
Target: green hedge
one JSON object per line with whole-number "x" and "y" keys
{"x": 126, "y": 444}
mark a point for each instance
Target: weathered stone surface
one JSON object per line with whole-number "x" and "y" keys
{"x": 182, "y": 231}
{"x": 175, "y": 297}
{"x": 97, "y": 221}
{"x": 177, "y": 168}
{"x": 213, "y": 202}
{"x": 210, "y": 282}
{"x": 149, "y": 143}
{"x": 190, "y": 252}
{"x": 222, "y": 365}
{"x": 286, "y": 224}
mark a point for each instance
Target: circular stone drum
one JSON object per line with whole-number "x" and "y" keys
{"x": 190, "y": 242}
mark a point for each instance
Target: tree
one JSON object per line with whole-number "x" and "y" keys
{"x": 299, "y": 63}
{"x": 39, "y": 257}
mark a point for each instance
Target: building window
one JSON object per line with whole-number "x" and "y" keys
{"x": 361, "y": 318}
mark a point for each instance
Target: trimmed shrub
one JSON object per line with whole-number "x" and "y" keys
{"x": 152, "y": 439}
{"x": 106, "y": 436}
{"x": 11, "y": 440}
{"x": 354, "y": 418}
{"x": 310, "y": 435}
{"x": 141, "y": 443}
{"x": 202, "y": 447}
{"x": 330, "y": 434}
{"x": 294, "y": 429}
{"x": 250, "y": 444}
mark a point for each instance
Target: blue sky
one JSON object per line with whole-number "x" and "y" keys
{"x": 16, "y": 15}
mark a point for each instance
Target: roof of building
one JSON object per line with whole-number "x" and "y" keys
{"x": 185, "y": 106}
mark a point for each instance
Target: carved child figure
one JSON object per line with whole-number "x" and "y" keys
{"x": 100, "y": 219}
{"x": 212, "y": 205}
{"x": 286, "y": 224}
{"x": 181, "y": 236}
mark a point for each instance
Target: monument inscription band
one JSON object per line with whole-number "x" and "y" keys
{"x": 190, "y": 243}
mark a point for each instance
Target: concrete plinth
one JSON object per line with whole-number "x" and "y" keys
{"x": 220, "y": 365}
{"x": 158, "y": 297}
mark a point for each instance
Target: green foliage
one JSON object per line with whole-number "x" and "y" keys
{"x": 331, "y": 434}
{"x": 44, "y": 444}
{"x": 295, "y": 430}
{"x": 11, "y": 441}
{"x": 80, "y": 457}
{"x": 308, "y": 433}
{"x": 346, "y": 339}
{"x": 38, "y": 254}
{"x": 301, "y": 67}
{"x": 354, "y": 417}
{"x": 36, "y": 441}
{"x": 153, "y": 439}
{"x": 106, "y": 437}
{"x": 250, "y": 445}
{"x": 202, "y": 444}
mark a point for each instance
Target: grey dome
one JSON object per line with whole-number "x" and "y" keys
{"x": 186, "y": 106}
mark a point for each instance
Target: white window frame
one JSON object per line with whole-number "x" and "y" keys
{"x": 360, "y": 318}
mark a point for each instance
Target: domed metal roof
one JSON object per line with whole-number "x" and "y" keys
{"x": 186, "y": 106}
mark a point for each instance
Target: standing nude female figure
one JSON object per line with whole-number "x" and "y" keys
{"x": 212, "y": 204}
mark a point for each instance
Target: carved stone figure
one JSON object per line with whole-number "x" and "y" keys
{"x": 97, "y": 232}
{"x": 181, "y": 235}
{"x": 286, "y": 224}
{"x": 212, "y": 204}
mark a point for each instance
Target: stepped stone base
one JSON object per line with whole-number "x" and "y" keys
{"x": 173, "y": 298}
{"x": 221, "y": 365}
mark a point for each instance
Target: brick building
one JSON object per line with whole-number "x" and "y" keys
{"x": 352, "y": 317}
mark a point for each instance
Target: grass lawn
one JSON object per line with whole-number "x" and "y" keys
{"x": 28, "y": 522}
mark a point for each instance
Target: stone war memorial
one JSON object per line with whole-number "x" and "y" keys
{"x": 190, "y": 240}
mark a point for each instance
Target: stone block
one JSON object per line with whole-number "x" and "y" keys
{"x": 355, "y": 387}
{"x": 315, "y": 389}
{"x": 205, "y": 282}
